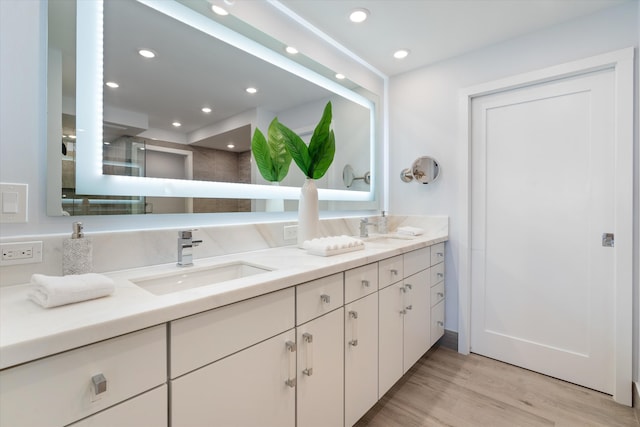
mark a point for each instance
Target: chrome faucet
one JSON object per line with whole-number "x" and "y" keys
{"x": 185, "y": 247}
{"x": 364, "y": 223}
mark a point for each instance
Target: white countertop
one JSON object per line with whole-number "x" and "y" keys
{"x": 29, "y": 332}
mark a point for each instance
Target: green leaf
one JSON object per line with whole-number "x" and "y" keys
{"x": 296, "y": 148}
{"x": 280, "y": 157}
{"x": 321, "y": 149}
{"x": 262, "y": 154}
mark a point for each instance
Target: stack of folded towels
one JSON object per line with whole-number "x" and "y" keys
{"x": 52, "y": 291}
{"x": 327, "y": 246}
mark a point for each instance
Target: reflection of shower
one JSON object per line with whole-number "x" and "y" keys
{"x": 348, "y": 176}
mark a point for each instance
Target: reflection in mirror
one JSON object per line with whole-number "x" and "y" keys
{"x": 180, "y": 123}
{"x": 349, "y": 176}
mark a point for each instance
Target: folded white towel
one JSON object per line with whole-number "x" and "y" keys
{"x": 52, "y": 291}
{"x": 411, "y": 231}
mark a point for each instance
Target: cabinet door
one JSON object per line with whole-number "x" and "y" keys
{"x": 437, "y": 322}
{"x": 360, "y": 358}
{"x": 321, "y": 371}
{"x": 417, "y": 318}
{"x": 245, "y": 389}
{"x": 390, "y": 323}
{"x": 148, "y": 409}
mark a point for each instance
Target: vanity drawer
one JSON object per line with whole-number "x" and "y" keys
{"x": 437, "y": 293}
{"x": 390, "y": 271}
{"x": 59, "y": 390}
{"x": 437, "y": 253}
{"x": 360, "y": 282}
{"x": 437, "y": 322}
{"x": 416, "y": 261}
{"x": 206, "y": 337}
{"x": 437, "y": 273}
{"x": 148, "y": 409}
{"x": 313, "y": 299}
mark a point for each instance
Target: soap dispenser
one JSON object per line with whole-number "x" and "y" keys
{"x": 382, "y": 224}
{"x": 77, "y": 252}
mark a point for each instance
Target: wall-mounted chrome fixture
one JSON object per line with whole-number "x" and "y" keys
{"x": 348, "y": 176}
{"x": 424, "y": 169}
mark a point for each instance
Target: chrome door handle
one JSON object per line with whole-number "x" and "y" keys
{"x": 291, "y": 348}
{"x": 353, "y": 315}
{"x": 325, "y": 298}
{"x": 409, "y": 286}
{"x": 394, "y": 271}
{"x": 99, "y": 384}
{"x": 308, "y": 339}
{"x": 409, "y": 307}
{"x": 440, "y": 294}
{"x": 365, "y": 283}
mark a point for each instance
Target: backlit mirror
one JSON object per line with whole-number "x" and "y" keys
{"x": 171, "y": 133}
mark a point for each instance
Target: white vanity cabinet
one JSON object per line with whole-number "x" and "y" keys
{"x": 235, "y": 365}
{"x": 404, "y": 313}
{"x": 360, "y": 341}
{"x": 67, "y": 387}
{"x": 320, "y": 334}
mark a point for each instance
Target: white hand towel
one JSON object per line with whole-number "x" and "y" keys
{"x": 52, "y": 291}
{"x": 411, "y": 231}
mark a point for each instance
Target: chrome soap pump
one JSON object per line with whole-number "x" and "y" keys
{"x": 77, "y": 252}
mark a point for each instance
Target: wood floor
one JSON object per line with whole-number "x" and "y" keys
{"x": 446, "y": 388}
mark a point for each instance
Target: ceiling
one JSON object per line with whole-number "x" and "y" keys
{"x": 434, "y": 30}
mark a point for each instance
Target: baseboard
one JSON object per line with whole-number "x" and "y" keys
{"x": 635, "y": 398}
{"x": 449, "y": 340}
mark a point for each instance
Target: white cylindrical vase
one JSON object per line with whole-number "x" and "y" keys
{"x": 274, "y": 205}
{"x": 308, "y": 214}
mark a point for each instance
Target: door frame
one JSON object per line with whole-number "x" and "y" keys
{"x": 621, "y": 62}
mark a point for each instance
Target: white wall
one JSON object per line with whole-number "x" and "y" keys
{"x": 424, "y": 117}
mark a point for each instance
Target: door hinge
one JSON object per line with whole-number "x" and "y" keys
{"x": 608, "y": 240}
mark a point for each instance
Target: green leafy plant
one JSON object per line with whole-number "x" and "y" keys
{"x": 314, "y": 160}
{"x": 272, "y": 157}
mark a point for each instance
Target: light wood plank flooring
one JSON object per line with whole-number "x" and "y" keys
{"x": 446, "y": 388}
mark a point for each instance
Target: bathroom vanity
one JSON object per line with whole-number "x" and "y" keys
{"x": 314, "y": 341}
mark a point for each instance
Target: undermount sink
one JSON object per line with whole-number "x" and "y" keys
{"x": 387, "y": 238}
{"x": 193, "y": 277}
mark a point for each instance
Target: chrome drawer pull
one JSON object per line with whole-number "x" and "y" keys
{"x": 394, "y": 271}
{"x": 410, "y": 307}
{"x": 308, "y": 339}
{"x": 325, "y": 298}
{"x": 440, "y": 254}
{"x": 440, "y": 323}
{"x": 440, "y": 295}
{"x": 99, "y": 384}
{"x": 291, "y": 348}
{"x": 440, "y": 275}
{"x": 409, "y": 286}
{"x": 365, "y": 283}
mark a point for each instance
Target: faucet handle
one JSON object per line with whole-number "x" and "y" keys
{"x": 186, "y": 234}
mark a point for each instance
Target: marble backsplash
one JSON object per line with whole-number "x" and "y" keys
{"x": 129, "y": 249}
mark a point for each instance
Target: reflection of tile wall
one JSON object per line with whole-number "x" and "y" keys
{"x": 221, "y": 166}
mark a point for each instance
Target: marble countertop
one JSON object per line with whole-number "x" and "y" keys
{"x": 29, "y": 332}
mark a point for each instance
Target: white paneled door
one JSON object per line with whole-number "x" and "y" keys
{"x": 542, "y": 195}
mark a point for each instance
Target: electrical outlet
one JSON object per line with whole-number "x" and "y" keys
{"x": 290, "y": 232}
{"x": 21, "y": 253}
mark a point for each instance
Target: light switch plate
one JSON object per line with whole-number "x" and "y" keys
{"x": 13, "y": 203}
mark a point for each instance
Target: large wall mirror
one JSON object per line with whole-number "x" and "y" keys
{"x": 171, "y": 133}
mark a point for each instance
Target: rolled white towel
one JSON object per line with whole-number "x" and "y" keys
{"x": 52, "y": 291}
{"x": 411, "y": 231}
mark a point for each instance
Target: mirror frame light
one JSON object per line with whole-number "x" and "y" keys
{"x": 89, "y": 110}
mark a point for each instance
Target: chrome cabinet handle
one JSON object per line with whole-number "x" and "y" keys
{"x": 99, "y": 384}
{"x": 403, "y": 311}
{"x": 291, "y": 348}
{"x": 408, "y": 286}
{"x": 394, "y": 271}
{"x": 325, "y": 298}
{"x": 308, "y": 339}
{"x": 440, "y": 275}
{"x": 440, "y": 295}
{"x": 409, "y": 307}
{"x": 440, "y": 254}
{"x": 440, "y": 323}
{"x": 365, "y": 283}
{"x": 353, "y": 315}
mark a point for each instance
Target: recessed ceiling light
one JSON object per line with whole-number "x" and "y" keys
{"x": 206, "y": 110}
{"x": 359, "y": 15}
{"x": 231, "y": 146}
{"x": 112, "y": 85}
{"x": 251, "y": 90}
{"x": 219, "y": 10}
{"x": 291, "y": 50}
{"x": 401, "y": 54}
{"x": 176, "y": 124}
{"x": 147, "y": 53}
{"x": 340, "y": 76}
